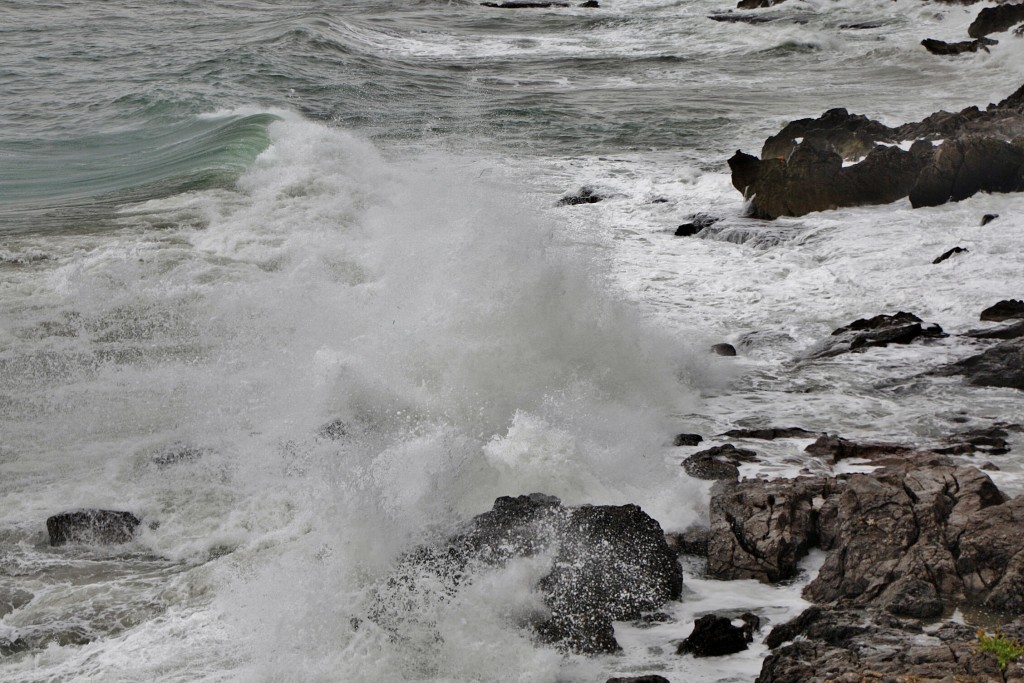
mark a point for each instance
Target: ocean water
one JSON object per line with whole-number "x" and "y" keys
{"x": 225, "y": 225}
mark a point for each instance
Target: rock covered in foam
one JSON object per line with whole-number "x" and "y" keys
{"x": 609, "y": 563}
{"x": 715, "y": 636}
{"x": 98, "y": 527}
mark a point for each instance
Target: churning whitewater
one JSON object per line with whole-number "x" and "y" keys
{"x": 293, "y": 284}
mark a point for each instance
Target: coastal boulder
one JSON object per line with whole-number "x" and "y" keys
{"x": 96, "y": 527}
{"x": 718, "y": 462}
{"x": 967, "y": 165}
{"x": 762, "y": 529}
{"x": 857, "y": 645}
{"x": 1004, "y": 310}
{"x": 715, "y": 636}
{"x": 879, "y": 331}
{"x": 609, "y": 563}
{"x": 999, "y": 366}
{"x": 996, "y": 19}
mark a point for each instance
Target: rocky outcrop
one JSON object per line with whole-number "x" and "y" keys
{"x": 996, "y": 19}
{"x": 585, "y": 195}
{"x": 718, "y": 462}
{"x": 914, "y": 538}
{"x": 95, "y": 527}
{"x": 1004, "y": 310}
{"x": 770, "y": 433}
{"x": 999, "y": 366}
{"x": 715, "y": 636}
{"x": 650, "y": 678}
{"x": 762, "y": 529}
{"x": 723, "y": 349}
{"x": 687, "y": 439}
{"x": 964, "y": 166}
{"x": 695, "y": 224}
{"x": 879, "y": 331}
{"x": 813, "y": 178}
{"x": 941, "y": 47}
{"x": 947, "y": 254}
{"x": 854, "y": 645}
{"x": 801, "y": 169}
{"x": 609, "y": 563}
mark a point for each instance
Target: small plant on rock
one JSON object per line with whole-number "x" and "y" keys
{"x": 1004, "y": 648}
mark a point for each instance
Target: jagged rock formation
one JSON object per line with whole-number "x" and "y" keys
{"x": 913, "y": 538}
{"x": 802, "y": 169}
{"x": 609, "y": 563}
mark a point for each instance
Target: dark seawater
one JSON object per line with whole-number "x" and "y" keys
{"x": 224, "y": 225}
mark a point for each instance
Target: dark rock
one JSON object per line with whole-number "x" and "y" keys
{"x": 714, "y": 636}
{"x": 610, "y": 563}
{"x": 770, "y": 433}
{"x": 687, "y": 439}
{"x": 1004, "y": 310}
{"x": 814, "y": 179}
{"x": 734, "y": 18}
{"x": 697, "y": 222}
{"x": 862, "y": 646}
{"x": 967, "y": 165}
{"x": 988, "y": 218}
{"x": 946, "y": 254}
{"x": 851, "y": 136}
{"x": 100, "y": 527}
{"x": 990, "y": 440}
{"x": 833, "y": 448}
{"x": 941, "y": 47}
{"x": 719, "y": 462}
{"x": 996, "y": 19}
{"x": 693, "y": 541}
{"x": 520, "y": 4}
{"x": 586, "y": 195}
{"x": 724, "y": 349}
{"x": 794, "y": 179}
{"x": 757, "y": 4}
{"x": 650, "y": 678}
{"x": 1000, "y": 366}
{"x": 591, "y": 4}
{"x": 761, "y": 529}
{"x": 891, "y": 534}
{"x": 1014, "y": 330}
{"x": 879, "y": 331}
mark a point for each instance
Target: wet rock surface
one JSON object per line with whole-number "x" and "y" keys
{"x": 802, "y": 169}
{"x": 715, "y": 636}
{"x": 718, "y": 462}
{"x": 610, "y": 563}
{"x": 96, "y": 527}
{"x": 856, "y": 645}
{"x": 1004, "y": 310}
{"x": 999, "y": 366}
{"x": 879, "y": 331}
{"x": 695, "y": 224}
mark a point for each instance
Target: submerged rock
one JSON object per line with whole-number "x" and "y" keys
{"x": 770, "y": 433}
{"x": 946, "y": 254}
{"x": 586, "y": 195}
{"x": 879, "y": 331}
{"x": 687, "y": 439}
{"x": 609, "y": 563}
{"x": 695, "y": 224}
{"x": 650, "y": 678}
{"x": 941, "y": 47}
{"x": 98, "y": 527}
{"x": 523, "y": 4}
